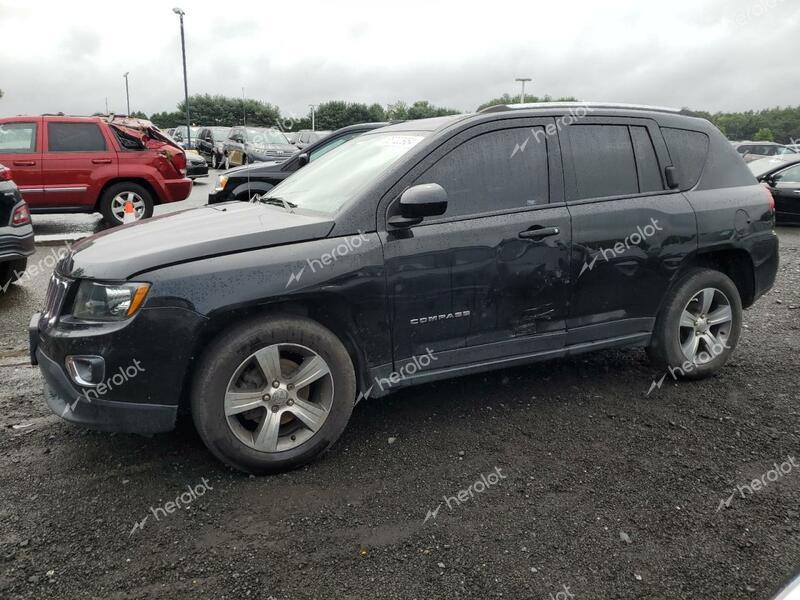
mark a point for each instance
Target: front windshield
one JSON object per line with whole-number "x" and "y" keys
{"x": 327, "y": 184}
{"x": 220, "y": 133}
{"x": 262, "y": 137}
{"x": 786, "y": 150}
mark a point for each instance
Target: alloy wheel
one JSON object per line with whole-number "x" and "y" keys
{"x": 279, "y": 397}
{"x": 705, "y": 326}
{"x": 118, "y": 205}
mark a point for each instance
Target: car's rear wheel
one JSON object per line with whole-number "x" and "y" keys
{"x": 272, "y": 394}
{"x": 699, "y": 326}
{"x": 112, "y": 204}
{"x": 11, "y": 271}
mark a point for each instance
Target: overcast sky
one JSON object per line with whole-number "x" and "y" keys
{"x": 705, "y": 54}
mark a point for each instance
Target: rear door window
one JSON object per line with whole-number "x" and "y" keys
{"x": 75, "y": 137}
{"x": 17, "y": 138}
{"x": 603, "y": 161}
{"x": 499, "y": 170}
{"x": 688, "y": 151}
{"x": 646, "y": 161}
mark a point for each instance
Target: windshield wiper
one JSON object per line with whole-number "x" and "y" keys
{"x": 276, "y": 201}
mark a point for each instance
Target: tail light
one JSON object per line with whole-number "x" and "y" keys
{"x": 770, "y": 198}
{"x": 21, "y": 215}
{"x": 177, "y": 159}
{"x": 5, "y": 173}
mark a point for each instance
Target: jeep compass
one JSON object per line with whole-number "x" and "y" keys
{"x": 415, "y": 252}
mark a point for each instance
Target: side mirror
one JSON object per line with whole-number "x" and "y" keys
{"x": 303, "y": 159}
{"x": 671, "y": 174}
{"x": 418, "y": 202}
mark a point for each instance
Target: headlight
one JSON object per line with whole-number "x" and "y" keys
{"x": 108, "y": 301}
{"x": 222, "y": 182}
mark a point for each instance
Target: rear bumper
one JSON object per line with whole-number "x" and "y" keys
{"x": 765, "y": 254}
{"x": 17, "y": 246}
{"x": 176, "y": 190}
{"x": 73, "y": 405}
{"x": 198, "y": 171}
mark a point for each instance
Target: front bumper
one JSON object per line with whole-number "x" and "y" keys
{"x": 219, "y": 195}
{"x": 76, "y": 406}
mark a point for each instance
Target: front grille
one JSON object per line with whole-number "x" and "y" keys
{"x": 54, "y": 300}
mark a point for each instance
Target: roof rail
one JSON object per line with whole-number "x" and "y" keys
{"x": 588, "y": 105}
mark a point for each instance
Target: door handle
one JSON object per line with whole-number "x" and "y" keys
{"x": 24, "y": 163}
{"x": 537, "y": 234}
{"x": 101, "y": 161}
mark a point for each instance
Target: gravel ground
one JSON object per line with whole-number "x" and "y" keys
{"x": 573, "y": 481}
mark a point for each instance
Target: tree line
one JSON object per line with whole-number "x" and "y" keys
{"x": 781, "y": 124}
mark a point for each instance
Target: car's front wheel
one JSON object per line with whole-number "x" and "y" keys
{"x": 273, "y": 394}
{"x": 699, "y": 326}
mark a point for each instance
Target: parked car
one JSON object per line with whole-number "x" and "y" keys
{"x": 187, "y": 142}
{"x": 415, "y": 252}
{"x": 196, "y": 166}
{"x": 242, "y": 183}
{"x": 751, "y": 151}
{"x": 210, "y": 142}
{"x": 306, "y": 137}
{"x": 246, "y": 145}
{"x": 92, "y": 164}
{"x": 16, "y": 231}
{"x": 782, "y": 175}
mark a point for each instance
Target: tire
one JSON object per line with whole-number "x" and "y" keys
{"x": 112, "y": 199}
{"x": 11, "y": 271}
{"x": 227, "y": 162}
{"x": 230, "y": 364}
{"x": 214, "y": 161}
{"x": 690, "y": 299}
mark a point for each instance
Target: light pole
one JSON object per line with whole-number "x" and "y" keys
{"x": 180, "y": 13}
{"x": 127, "y": 95}
{"x": 313, "y": 106}
{"x": 522, "y": 80}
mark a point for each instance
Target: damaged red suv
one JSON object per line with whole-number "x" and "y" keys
{"x": 93, "y": 164}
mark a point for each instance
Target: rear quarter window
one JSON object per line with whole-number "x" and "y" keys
{"x": 688, "y": 151}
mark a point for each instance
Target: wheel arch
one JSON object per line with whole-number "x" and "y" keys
{"x": 137, "y": 180}
{"x": 329, "y": 311}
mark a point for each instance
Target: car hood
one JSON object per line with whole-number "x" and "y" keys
{"x": 262, "y": 168}
{"x": 123, "y": 252}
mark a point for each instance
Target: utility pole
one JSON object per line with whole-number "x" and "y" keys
{"x": 313, "y": 106}
{"x": 106, "y": 104}
{"x": 127, "y": 95}
{"x": 180, "y": 13}
{"x": 244, "y": 110}
{"x": 522, "y": 95}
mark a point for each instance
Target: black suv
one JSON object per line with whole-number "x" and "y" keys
{"x": 420, "y": 251}
{"x": 242, "y": 183}
{"x": 210, "y": 144}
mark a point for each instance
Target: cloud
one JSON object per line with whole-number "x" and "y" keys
{"x": 718, "y": 55}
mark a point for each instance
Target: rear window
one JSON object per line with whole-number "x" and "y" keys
{"x": 688, "y": 151}
{"x": 603, "y": 160}
{"x": 75, "y": 137}
{"x": 17, "y": 138}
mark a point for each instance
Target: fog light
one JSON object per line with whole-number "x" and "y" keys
{"x": 87, "y": 371}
